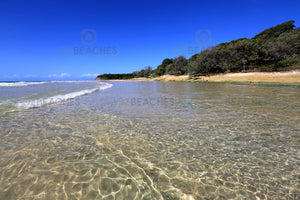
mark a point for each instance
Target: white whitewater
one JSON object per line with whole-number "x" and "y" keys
{"x": 59, "y": 98}
{"x": 19, "y": 84}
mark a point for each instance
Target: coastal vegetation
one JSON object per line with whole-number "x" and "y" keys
{"x": 274, "y": 49}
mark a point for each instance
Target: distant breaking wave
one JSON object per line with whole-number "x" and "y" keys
{"x": 58, "y": 98}
{"x": 19, "y": 84}
{"x": 23, "y": 83}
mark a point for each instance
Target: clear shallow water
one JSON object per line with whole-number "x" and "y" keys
{"x": 153, "y": 140}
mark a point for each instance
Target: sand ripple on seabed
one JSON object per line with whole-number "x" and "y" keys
{"x": 109, "y": 158}
{"x": 67, "y": 164}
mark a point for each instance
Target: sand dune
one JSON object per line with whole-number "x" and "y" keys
{"x": 255, "y": 77}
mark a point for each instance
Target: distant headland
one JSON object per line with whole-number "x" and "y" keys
{"x": 276, "y": 49}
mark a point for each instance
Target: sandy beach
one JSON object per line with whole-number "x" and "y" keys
{"x": 255, "y": 77}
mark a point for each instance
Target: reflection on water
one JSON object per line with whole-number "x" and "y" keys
{"x": 214, "y": 141}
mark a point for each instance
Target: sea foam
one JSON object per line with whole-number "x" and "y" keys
{"x": 59, "y": 98}
{"x": 19, "y": 84}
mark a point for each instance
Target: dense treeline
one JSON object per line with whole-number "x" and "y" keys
{"x": 115, "y": 76}
{"x": 271, "y": 50}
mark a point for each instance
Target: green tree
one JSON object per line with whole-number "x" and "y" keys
{"x": 161, "y": 69}
{"x": 178, "y": 67}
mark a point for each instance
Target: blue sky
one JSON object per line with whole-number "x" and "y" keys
{"x": 74, "y": 40}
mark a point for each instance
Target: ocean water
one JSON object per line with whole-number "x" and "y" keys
{"x": 149, "y": 140}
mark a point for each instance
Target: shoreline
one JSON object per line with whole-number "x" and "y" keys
{"x": 250, "y": 77}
